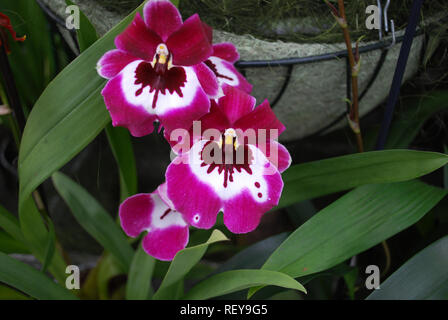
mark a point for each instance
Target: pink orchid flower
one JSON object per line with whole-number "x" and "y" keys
{"x": 156, "y": 73}
{"x": 225, "y": 170}
{"x": 167, "y": 230}
{"x": 221, "y": 62}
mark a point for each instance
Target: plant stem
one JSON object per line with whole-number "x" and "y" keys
{"x": 388, "y": 258}
{"x": 354, "y": 106}
{"x": 12, "y": 95}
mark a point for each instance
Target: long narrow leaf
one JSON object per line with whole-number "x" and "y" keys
{"x": 10, "y": 245}
{"x": 424, "y": 276}
{"x": 121, "y": 145}
{"x": 406, "y": 128}
{"x": 184, "y": 261}
{"x": 10, "y": 224}
{"x": 67, "y": 116}
{"x": 94, "y": 219}
{"x": 119, "y": 138}
{"x": 138, "y": 286}
{"x": 39, "y": 239}
{"x": 356, "y": 222}
{"x": 236, "y": 280}
{"x": 318, "y": 178}
{"x": 30, "y": 281}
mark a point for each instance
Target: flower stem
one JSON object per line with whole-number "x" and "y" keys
{"x": 354, "y": 106}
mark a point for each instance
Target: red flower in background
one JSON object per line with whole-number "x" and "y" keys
{"x": 5, "y": 25}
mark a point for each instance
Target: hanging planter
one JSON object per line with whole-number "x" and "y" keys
{"x": 305, "y": 82}
{"x": 308, "y": 82}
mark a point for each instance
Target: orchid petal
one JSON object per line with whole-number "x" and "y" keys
{"x": 196, "y": 200}
{"x": 135, "y": 214}
{"x": 215, "y": 119}
{"x": 200, "y": 193}
{"x": 235, "y": 104}
{"x": 242, "y": 214}
{"x": 208, "y": 31}
{"x": 136, "y": 105}
{"x": 261, "y": 118}
{"x": 162, "y": 17}
{"x": 282, "y": 159}
{"x": 124, "y": 114}
{"x": 163, "y": 244}
{"x": 113, "y": 62}
{"x": 226, "y": 51}
{"x": 227, "y": 74}
{"x": 162, "y": 191}
{"x": 167, "y": 230}
{"x": 138, "y": 40}
{"x": 189, "y": 44}
{"x": 208, "y": 81}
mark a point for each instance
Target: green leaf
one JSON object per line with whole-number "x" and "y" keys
{"x": 318, "y": 178}
{"x": 108, "y": 269}
{"x": 10, "y": 224}
{"x": 352, "y": 224}
{"x": 50, "y": 249}
{"x": 138, "y": 286}
{"x": 30, "y": 281}
{"x": 184, "y": 261}
{"x": 68, "y": 115}
{"x": 94, "y": 219}
{"x": 236, "y": 280}
{"x": 300, "y": 212}
{"x": 38, "y": 239}
{"x": 254, "y": 256}
{"x": 10, "y": 245}
{"x": 424, "y": 276}
{"x": 408, "y": 122}
{"x": 86, "y": 33}
{"x": 121, "y": 145}
{"x": 119, "y": 138}
{"x": 7, "y": 293}
{"x": 350, "y": 281}
{"x": 404, "y": 130}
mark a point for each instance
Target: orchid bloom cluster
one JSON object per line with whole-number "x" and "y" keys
{"x": 168, "y": 71}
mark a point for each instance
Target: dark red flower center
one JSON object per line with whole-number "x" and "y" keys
{"x": 159, "y": 77}
{"x": 226, "y": 156}
{"x": 213, "y": 67}
{"x": 165, "y": 213}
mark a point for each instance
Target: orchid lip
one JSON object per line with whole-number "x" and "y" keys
{"x": 227, "y": 157}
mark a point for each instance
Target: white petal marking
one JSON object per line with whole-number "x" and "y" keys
{"x": 223, "y": 70}
{"x": 165, "y": 102}
{"x": 173, "y": 218}
{"x": 254, "y": 182}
